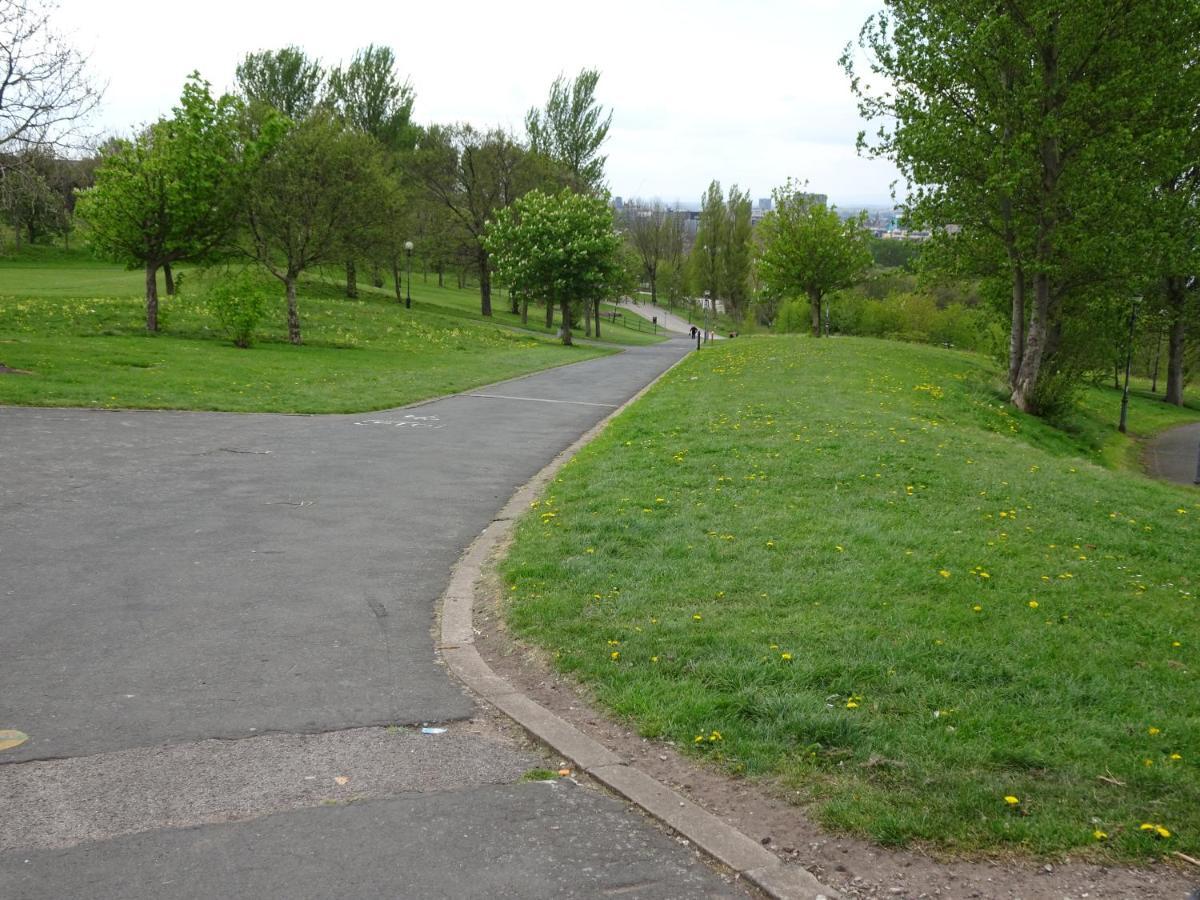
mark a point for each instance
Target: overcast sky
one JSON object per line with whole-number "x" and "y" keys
{"x": 745, "y": 92}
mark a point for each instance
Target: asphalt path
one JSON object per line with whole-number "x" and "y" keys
{"x": 1175, "y": 455}
{"x": 170, "y": 578}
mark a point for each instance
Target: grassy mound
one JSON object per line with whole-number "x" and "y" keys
{"x": 848, "y": 566}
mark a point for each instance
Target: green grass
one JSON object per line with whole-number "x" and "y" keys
{"x": 847, "y": 567}
{"x": 78, "y": 327}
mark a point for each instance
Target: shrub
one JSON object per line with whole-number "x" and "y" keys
{"x": 239, "y": 300}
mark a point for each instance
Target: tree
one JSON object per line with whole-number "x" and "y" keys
{"x": 558, "y": 248}
{"x": 172, "y": 193}
{"x": 473, "y": 175}
{"x": 1026, "y": 122}
{"x": 285, "y": 80}
{"x": 29, "y": 202}
{"x": 706, "y": 251}
{"x": 807, "y": 249}
{"x": 571, "y": 129}
{"x": 653, "y": 232}
{"x": 371, "y": 98}
{"x": 309, "y": 198}
{"x": 45, "y": 93}
{"x": 734, "y": 247}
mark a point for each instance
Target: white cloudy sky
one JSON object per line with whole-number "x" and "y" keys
{"x": 746, "y": 92}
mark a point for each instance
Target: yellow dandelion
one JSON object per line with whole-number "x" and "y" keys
{"x": 1100, "y": 835}
{"x": 696, "y": 617}
{"x": 1033, "y": 604}
{"x": 786, "y": 657}
{"x": 977, "y": 608}
{"x": 615, "y": 655}
{"x": 943, "y": 573}
{"x": 1153, "y": 731}
{"x": 1011, "y": 800}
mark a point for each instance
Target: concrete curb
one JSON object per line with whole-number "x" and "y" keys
{"x": 719, "y": 840}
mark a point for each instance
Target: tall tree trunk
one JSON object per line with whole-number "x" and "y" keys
{"x": 654, "y": 287}
{"x": 549, "y": 313}
{"x": 514, "y": 304}
{"x": 396, "y": 278}
{"x": 814, "y": 301}
{"x": 524, "y": 310}
{"x": 152, "y": 296}
{"x": 1016, "y": 336}
{"x": 376, "y": 275}
{"x": 441, "y": 276}
{"x": 485, "y": 283}
{"x": 1035, "y": 345}
{"x": 293, "y": 311}
{"x": 597, "y": 303}
{"x": 565, "y": 327}
{"x": 351, "y": 280}
{"x": 169, "y": 279}
{"x": 1176, "y": 339}
{"x": 587, "y": 319}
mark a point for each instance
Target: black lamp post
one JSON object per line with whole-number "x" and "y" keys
{"x": 408, "y": 245}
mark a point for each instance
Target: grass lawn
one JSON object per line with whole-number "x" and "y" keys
{"x": 847, "y": 566}
{"x": 78, "y": 327}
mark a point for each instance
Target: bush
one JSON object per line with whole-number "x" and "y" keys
{"x": 239, "y": 300}
{"x": 795, "y": 317}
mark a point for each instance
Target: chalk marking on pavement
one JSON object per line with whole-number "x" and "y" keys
{"x": 542, "y": 400}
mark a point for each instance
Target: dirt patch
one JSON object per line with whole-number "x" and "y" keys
{"x": 859, "y": 869}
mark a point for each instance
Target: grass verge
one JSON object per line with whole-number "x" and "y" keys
{"x": 77, "y": 328}
{"x": 846, "y": 566}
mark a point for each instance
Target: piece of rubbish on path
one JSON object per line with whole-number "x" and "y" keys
{"x": 565, "y": 773}
{"x": 341, "y": 779}
{"x": 433, "y": 731}
{"x": 10, "y": 738}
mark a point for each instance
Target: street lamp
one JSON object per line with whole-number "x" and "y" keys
{"x": 408, "y": 245}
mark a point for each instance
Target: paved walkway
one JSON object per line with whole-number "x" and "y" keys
{"x": 1174, "y": 455}
{"x": 216, "y": 625}
{"x": 667, "y": 319}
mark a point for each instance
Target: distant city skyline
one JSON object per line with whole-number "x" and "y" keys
{"x": 747, "y": 93}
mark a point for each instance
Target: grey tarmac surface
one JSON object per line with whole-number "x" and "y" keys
{"x": 207, "y": 617}
{"x": 1174, "y": 454}
{"x": 534, "y": 840}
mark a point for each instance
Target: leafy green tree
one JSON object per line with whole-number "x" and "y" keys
{"x": 571, "y": 129}
{"x": 1027, "y": 123}
{"x": 370, "y": 97}
{"x": 473, "y": 175}
{"x": 310, "y": 198}
{"x": 172, "y": 193}
{"x": 284, "y": 80}
{"x": 706, "y": 256}
{"x": 808, "y": 250}
{"x": 558, "y": 249}
{"x": 735, "y": 251}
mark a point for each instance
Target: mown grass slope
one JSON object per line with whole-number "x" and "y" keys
{"x": 847, "y": 566}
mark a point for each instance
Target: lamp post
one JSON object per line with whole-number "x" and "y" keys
{"x": 707, "y": 306}
{"x": 1128, "y": 366}
{"x": 408, "y": 245}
